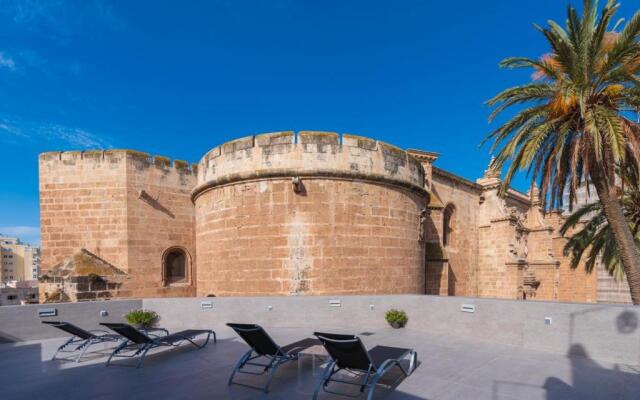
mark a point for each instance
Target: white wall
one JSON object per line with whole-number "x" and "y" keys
{"x": 605, "y": 332}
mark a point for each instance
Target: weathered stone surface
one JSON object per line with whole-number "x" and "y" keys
{"x": 501, "y": 247}
{"x": 275, "y": 138}
{"x": 339, "y": 237}
{"x": 359, "y": 141}
{"x": 353, "y": 223}
{"x": 95, "y": 203}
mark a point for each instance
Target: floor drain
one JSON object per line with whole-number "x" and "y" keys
{"x": 366, "y": 333}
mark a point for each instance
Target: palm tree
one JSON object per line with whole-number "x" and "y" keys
{"x": 593, "y": 234}
{"x": 575, "y": 119}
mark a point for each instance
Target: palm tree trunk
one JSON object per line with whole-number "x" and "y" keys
{"x": 629, "y": 254}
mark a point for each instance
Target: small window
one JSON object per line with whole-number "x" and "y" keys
{"x": 448, "y": 224}
{"x": 175, "y": 266}
{"x": 12, "y": 297}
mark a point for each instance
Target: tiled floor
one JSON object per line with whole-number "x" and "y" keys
{"x": 449, "y": 368}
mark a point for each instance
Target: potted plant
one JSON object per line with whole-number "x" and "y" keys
{"x": 142, "y": 319}
{"x": 396, "y": 318}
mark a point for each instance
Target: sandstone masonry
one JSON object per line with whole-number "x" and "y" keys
{"x": 316, "y": 215}
{"x": 300, "y": 214}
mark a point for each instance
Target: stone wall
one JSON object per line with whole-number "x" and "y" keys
{"x": 573, "y": 283}
{"x": 306, "y": 213}
{"x": 462, "y": 250}
{"x": 160, "y": 216}
{"x": 605, "y": 332}
{"x": 83, "y": 204}
{"x": 123, "y": 206}
{"x": 610, "y": 290}
{"x": 352, "y": 225}
{"x": 501, "y": 246}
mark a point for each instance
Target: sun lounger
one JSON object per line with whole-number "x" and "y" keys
{"x": 262, "y": 346}
{"x": 348, "y": 353}
{"x": 80, "y": 339}
{"x": 139, "y": 343}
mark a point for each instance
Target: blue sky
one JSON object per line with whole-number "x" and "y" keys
{"x": 177, "y": 78}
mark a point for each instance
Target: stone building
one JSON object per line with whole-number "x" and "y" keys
{"x": 296, "y": 214}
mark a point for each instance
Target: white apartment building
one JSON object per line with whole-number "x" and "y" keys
{"x": 19, "y": 261}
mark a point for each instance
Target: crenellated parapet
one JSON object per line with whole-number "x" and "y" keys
{"x": 113, "y": 159}
{"x": 308, "y": 154}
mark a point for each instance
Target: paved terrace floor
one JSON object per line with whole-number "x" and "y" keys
{"x": 449, "y": 368}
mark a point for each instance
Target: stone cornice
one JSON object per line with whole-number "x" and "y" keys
{"x": 286, "y": 173}
{"x": 456, "y": 178}
{"x": 422, "y": 155}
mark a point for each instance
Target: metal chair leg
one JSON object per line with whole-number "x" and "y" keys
{"x": 274, "y": 367}
{"x": 239, "y": 365}
{"x": 148, "y": 347}
{"x": 384, "y": 368}
{"x": 366, "y": 380}
{"x": 325, "y": 375}
{"x": 84, "y": 347}
{"x": 116, "y": 351}
{"x": 65, "y": 344}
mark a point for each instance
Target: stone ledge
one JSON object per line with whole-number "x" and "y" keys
{"x": 316, "y": 174}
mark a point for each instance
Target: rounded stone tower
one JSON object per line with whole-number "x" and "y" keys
{"x": 312, "y": 213}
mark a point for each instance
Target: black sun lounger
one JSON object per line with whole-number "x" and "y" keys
{"x": 262, "y": 346}
{"x": 140, "y": 343}
{"x": 348, "y": 353}
{"x": 80, "y": 339}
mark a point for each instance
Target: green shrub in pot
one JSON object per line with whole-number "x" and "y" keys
{"x": 396, "y": 318}
{"x": 142, "y": 319}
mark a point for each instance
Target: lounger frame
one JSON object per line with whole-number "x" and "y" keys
{"x": 140, "y": 343}
{"x": 81, "y": 339}
{"x": 274, "y": 354}
{"x": 371, "y": 375}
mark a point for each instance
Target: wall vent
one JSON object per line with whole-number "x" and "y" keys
{"x": 206, "y": 305}
{"x": 47, "y": 312}
{"x": 468, "y": 308}
{"x": 335, "y": 303}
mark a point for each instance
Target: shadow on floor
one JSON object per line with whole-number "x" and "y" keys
{"x": 177, "y": 373}
{"x": 589, "y": 379}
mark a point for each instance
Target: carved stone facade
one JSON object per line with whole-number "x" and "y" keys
{"x": 298, "y": 214}
{"x": 501, "y": 246}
